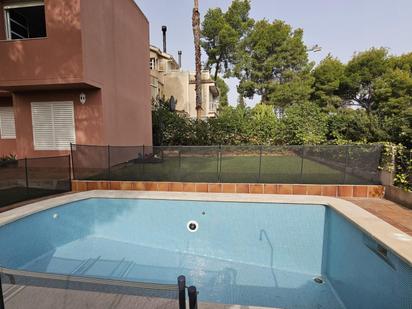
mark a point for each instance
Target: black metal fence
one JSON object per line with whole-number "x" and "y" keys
{"x": 330, "y": 164}
{"x": 26, "y": 179}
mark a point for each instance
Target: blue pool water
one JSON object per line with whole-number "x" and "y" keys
{"x": 242, "y": 253}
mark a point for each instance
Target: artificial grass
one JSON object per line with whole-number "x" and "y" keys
{"x": 237, "y": 169}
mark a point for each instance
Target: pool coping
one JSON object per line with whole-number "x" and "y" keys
{"x": 388, "y": 235}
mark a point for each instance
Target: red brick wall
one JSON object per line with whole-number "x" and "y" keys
{"x": 321, "y": 190}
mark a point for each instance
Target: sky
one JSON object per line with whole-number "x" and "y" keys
{"x": 340, "y": 27}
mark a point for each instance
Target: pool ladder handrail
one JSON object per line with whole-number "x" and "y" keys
{"x": 191, "y": 291}
{"x": 1, "y": 295}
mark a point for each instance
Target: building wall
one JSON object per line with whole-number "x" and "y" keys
{"x": 120, "y": 32}
{"x": 99, "y": 47}
{"x": 181, "y": 86}
{"x": 7, "y": 146}
{"x": 88, "y": 124}
{"x": 177, "y": 85}
{"x": 56, "y": 59}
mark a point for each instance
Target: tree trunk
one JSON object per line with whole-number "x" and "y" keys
{"x": 198, "y": 78}
{"x": 217, "y": 69}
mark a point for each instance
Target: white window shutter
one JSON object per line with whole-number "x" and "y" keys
{"x": 7, "y": 123}
{"x": 63, "y": 117}
{"x": 53, "y": 125}
{"x": 42, "y": 120}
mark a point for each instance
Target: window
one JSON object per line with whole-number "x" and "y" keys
{"x": 161, "y": 65}
{"x": 7, "y": 123}
{"x": 53, "y": 125}
{"x": 152, "y": 63}
{"x": 25, "y": 19}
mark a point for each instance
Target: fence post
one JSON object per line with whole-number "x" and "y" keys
{"x": 192, "y": 297}
{"x": 218, "y": 165}
{"x": 108, "y": 163}
{"x": 26, "y": 170}
{"x": 346, "y": 164}
{"x": 180, "y": 164}
{"x": 302, "y": 163}
{"x": 143, "y": 163}
{"x": 260, "y": 162}
{"x": 72, "y": 162}
{"x": 70, "y": 174}
{"x": 181, "y": 283}
{"x": 1, "y": 296}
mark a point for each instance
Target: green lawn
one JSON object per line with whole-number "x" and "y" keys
{"x": 274, "y": 169}
{"x": 20, "y": 194}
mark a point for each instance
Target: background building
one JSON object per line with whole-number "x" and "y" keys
{"x": 167, "y": 80}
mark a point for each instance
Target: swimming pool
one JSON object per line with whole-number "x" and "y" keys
{"x": 258, "y": 254}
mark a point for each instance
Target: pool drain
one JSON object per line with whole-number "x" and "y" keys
{"x": 192, "y": 226}
{"x": 319, "y": 280}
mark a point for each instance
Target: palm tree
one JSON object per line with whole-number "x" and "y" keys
{"x": 198, "y": 77}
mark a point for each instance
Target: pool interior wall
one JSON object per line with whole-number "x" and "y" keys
{"x": 242, "y": 253}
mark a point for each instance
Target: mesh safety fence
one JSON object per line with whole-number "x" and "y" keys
{"x": 30, "y": 290}
{"x": 26, "y": 179}
{"x": 329, "y": 164}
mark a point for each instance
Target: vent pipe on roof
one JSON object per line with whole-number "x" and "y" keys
{"x": 180, "y": 58}
{"x": 164, "y": 30}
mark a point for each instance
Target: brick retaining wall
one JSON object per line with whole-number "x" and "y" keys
{"x": 365, "y": 191}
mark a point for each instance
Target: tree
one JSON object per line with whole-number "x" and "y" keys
{"x": 361, "y": 74}
{"x": 304, "y": 124}
{"x": 274, "y": 64}
{"x": 169, "y": 128}
{"x": 328, "y": 76}
{"x": 198, "y": 60}
{"x": 403, "y": 62}
{"x": 241, "y": 102}
{"x": 221, "y": 33}
{"x": 231, "y": 126}
{"x": 348, "y": 125}
{"x": 393, "y": 92}
{"x": 263, "y": 126}
{"x": 223, "y": 92}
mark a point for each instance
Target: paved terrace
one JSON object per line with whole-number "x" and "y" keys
{"x": 396, "y": 215}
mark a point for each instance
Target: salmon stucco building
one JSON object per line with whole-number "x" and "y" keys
{"x": 73, "y": 72}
